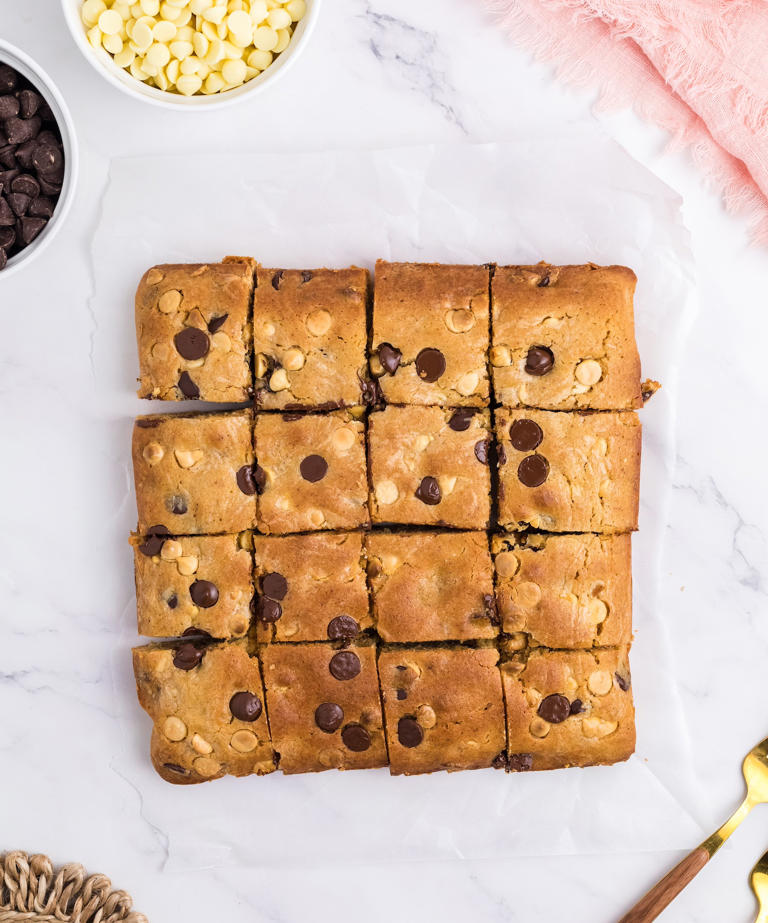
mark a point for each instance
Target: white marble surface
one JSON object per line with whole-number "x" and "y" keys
{"x": 379, "y": 73}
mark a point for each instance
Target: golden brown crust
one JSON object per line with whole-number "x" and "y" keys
{"x": 584, "y": 315}
{"x": 454, "y": 696}
{"x": 429, "y": 586}
{"x": 408, "y": 444}
{"x": 215, "y": 299}
{"x": 196, "y": 737}
{"x": 309, "y": 328}
{"x": 431, "y": 306}
{"x": 325, "y": 580}
{"x": 298, "y": 679}
{"x": 185, "y": 468}
{"x": 165, "y": 578}
{"x": 593, "y": 478}
{"x": 288, "y": 448}
{"x": 565, "y": 591}
{"x": 600, "y": 728}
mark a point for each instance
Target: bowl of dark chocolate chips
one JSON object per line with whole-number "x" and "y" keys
{"x": 38, "y": 159}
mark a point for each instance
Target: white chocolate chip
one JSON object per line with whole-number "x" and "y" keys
{"x": 221, "y": 342}
{"x": 517, "y": 641}
{"x": 206, "y": 767}
{"x": 601, "y": 446}
{"x": 539, "y": 727}
{"x": 468, "y": 383}
{"x": 194, "y": 363}
{"x": 553, "y": 323}
{"x": 171, "y": 550}
{"x": 153, "y": 453}
{"x": 426, "y": 716}
{"x": 261, "y": 365}
{"x": 500, "y": 356}
{"x": 595, "y": 610}
{"x": 294, "y": 359}
{"x": 447, "y": 484}
{"x": 389, "y": 564}
{"x": 507, "y": 564}
{"x": 154, "y": 277}
{"x": 459, "y": 321}
{"x": 343, "y": 439}
{"x": 186, "y": 459}
{"x": 588, "y": 372}
{"x": 600, "y": 682}
{"x": 386, "y": 492}
{"x": 527, "y": 594}
{"x": 201, "y": 745}
{"x": 316, "y": 517}
{"x": 421, "y": 441}
{"x": 169, "y": 301}
{"x": 597, "y": 727}
{"x": 279, "y": 381}
{"x": 244, "y": 741}
{"x": 174, "y": 729}
{"x": 268, "y": 329}
{"x": 319, "y": 322}
{"x": 187, "y": 565}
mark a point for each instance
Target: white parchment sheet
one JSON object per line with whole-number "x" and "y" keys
{"x": 564, "y": 199}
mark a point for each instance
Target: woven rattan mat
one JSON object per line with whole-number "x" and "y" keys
{"x": 32, "y": 889}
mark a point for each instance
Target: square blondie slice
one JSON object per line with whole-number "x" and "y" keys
{"x": 568, "y": 472}
{"x": 207, "y": 706}
{"x": 194, "y": 473}
{"x": 315, "y": 471}
{"x": 430, "y": 466}
{"x": 431, "y": 333}
{"x": 202, "y": 583}
{"x": 564, "y": 337}
{"x": 194, "y": 332}
{"x": 431, "y": 586}
{"x": 443, "y": 708}
{"x": 564, "y": 591}
{"x": 324, "y": 706}
{"x": 309, "y": 334}
{"x": 310, "y": 587}
{"x": 568, "y": 708}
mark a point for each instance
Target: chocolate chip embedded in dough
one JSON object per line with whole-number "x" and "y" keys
{"x": 192, "y": 343}
{"x": 554, "y": 708}
{"x": 409, "y": 732}
{"x": 525, "y": 435}
{"x": 402, "y": 694}
{"x": 343, "y": 628}
{"x": 245, "y": 706}
{"x": 204, "y": 593}
{"x": 622, "y": 682}
{"x": 187, "y": 387}
{"x": 344, "y": 665}
{"x": 177, "y": 505}
{"x": 519, "y": 762}
{"x": 461, "y": 419}
{"x": 274, "y": 585}
{"x": 267, "y": 610}
{"x": 153, "y": 543}
{"x": 356, "y": 738}
{"x": 540, "y": 360}
{"x": 533, "y": 470}
{"x": 306, "y": 276}
{"x": 188, "y": 656}
{"x": 430, "y": 364}
{"x": 328, "y": 717}
{"x": 172, "y": 601}
{"x": 482, "y": 448}
{"x": 197, "y": 633}
{"x": 216, "y": 323}
{"x": 313, "y": 468}
{"x": 389, "y": 357}
{"x": 429, "y": 491}
{"x": 577, "y": 707}
{"x": 251, "y": 479}
{"x": 277, "y": 279}
{"x": 174, "y": 767}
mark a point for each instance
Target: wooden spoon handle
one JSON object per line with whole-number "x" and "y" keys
{"x": 662, "y": 894}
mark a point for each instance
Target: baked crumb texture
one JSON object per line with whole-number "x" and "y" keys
{"x": 411, "y": 544}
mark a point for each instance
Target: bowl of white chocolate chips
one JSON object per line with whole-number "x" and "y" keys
{"x": 191, "y": 53}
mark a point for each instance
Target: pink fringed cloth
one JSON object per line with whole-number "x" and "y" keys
{"x": 699, "y": 68}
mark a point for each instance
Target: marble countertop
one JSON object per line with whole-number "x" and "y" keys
{"x": 378, "y": 73}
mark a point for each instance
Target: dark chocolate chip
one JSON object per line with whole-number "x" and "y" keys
{"x": 277, "y": 279}
{"x": 3, "y": 258}
{"x": 187, "y": 387}
{"x": 17, "y": 130}
{"x": 370, "y": 390}
{"x": 313, "y": 468}
{"x": 29, "y": 103}
{"x": 356, "y": 738}
{"x": 343, "y": 628}
{"x": 216, "y": 323}
{"x": 172, "y": 601}
{"x": 525, "y": 435}
{"x": 554, "y": 708}
{"x": 429, "y": 491}
{"x": 19, "y": 203}
{"x": 8, "y": 156}
{"x": 533, "y": 470}
{"x": 306, "y": 276}
{"x": 197, "y": 633}
{"x": 174, "y": 767}
{"x": 482, "y": 448}
{"x": 188, "y": 656}
{"x": 409, "y": 732}
{"x": 204, "y": 593}
{"x": 577, "y": 707}
{"x": 344, "y": 665}
{"x": 177, "y": 505}
{"x": 622, "y": 682}
{"x": 7, "y": 217}
{"x": 245, "y": 706}
{"x": 268, "y": 610}
{"x": 461, "y": 419}
{"x": 430, "y": 364}
{"x": 25, "y": 154}
{"x": 491, "y": 609}
{"x": 48, "y": 187}
{"x": 401, "y": 695}
{"x": 543, "y": 281}
{"x": 192, "y": 343}
{"x": 540, "y": 360}
{"x": 389, "y": 357}
{"x": 26, "y": 185}
{"x": 328, "y": 717}
{"x": 31, "y": 227}
{"x": 501, "y": 455}
{"x": 147, "y": 422}
{"x": 48, "y": 160}
{"x": 153, "y": 543}
{"x": 520, "y": 762}
{"x": 500, "y": 760}
{"x": 8, "y": 79}
{"x": 251, "y": 479}
{"x": 9, "y": 107}
{"x": 41, "y": 207}
{"x": 7, "y": 238}
{"x": 274, "y": 585}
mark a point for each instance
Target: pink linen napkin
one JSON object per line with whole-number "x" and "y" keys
{"x": 699, "y": 68}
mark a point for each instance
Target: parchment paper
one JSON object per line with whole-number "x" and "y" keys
{"x": 562, "y": 198}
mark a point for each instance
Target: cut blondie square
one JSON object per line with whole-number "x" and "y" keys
{"x": 443, "y": 708}
{"x": 315, "y": 472}
{"x": 431, "y": 333}
{"x": 207, "y": 705}
{"x": 430, "y": 466}
{"x": 202, "y": 583}
{"x": 431, "y": 586}
{"x": 193, "y": 331}
{"x": 310, "y": 587}
{"x": 568, "y": 472}
{"x": 564, "y": 591}
{"x": 568, "y": 708}
{"x": 324, "y": 706}
{"x": 564, "y": 337}
{"x": 310, "y": 337}
{"x": 194, "y": 473}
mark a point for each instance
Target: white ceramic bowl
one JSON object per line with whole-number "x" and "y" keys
{"x": 122, "y": 79}
{"x": 21, "y": 62}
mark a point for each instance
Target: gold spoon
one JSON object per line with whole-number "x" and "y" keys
{"x": 755, "y": 768}
{"x": 759, "y": 881}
